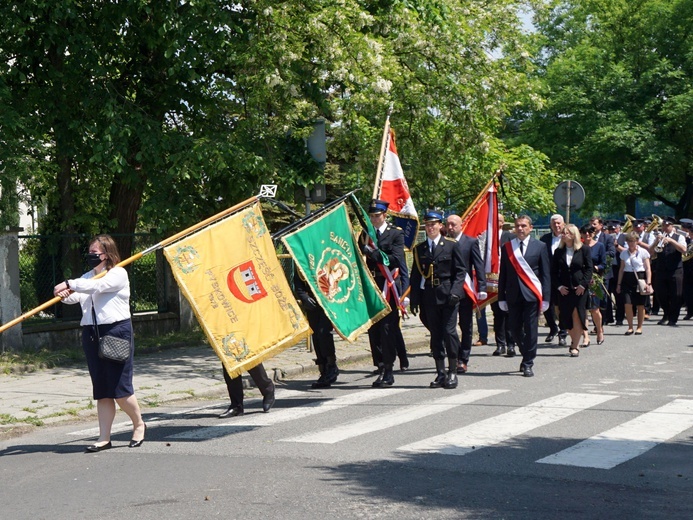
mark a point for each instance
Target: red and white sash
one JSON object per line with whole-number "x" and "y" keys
{"x": 469, "y": 289}
{"x": 524, "y": 271}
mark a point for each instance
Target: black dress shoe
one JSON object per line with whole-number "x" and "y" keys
{"x": 95, "y": 448}
{"x": 268, "y": 401}
{"x": 550, "y": 338}
{"x": 439, "y": 381}
{"x": 562, "y": 342}
{"x": 499, "y": 351}
{"x": 137, "y": 444}
{"x": 687, "y": 317}
{"x": 527, "y": 372}
{"x": 451, "y": 381}
{"x": 673, "y": 324}
{"x": 663, "y": 321}
{"x": 510, "y": 352}
{"x": 231, "y": 411}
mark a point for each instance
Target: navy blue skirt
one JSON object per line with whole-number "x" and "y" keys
{"x": 109, "y": 379}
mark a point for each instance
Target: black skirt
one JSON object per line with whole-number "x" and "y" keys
{"x": 109, "y": 379}
{"x": 629, "y": 288}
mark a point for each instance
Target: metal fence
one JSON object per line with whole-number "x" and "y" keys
{"x": 42, "y": 265}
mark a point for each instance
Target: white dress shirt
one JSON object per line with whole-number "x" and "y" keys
{"x": 110, "y": 295}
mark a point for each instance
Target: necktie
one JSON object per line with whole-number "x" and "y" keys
{"x": 430, "y": 246}
{"x": 377, "y": 235}
{"x": 522, "y": 248}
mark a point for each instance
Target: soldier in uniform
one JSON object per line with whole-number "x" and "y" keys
{"x": 473, "y": 262}
{"x": 323, "y": 341}
{"x": 383, "y": 337}
{"x": 437, "y": 281}
{"x": 669, "y": 272}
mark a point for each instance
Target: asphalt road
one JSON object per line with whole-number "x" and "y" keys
{"x": 606, "y": 435}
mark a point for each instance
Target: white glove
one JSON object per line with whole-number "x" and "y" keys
{"x": 545, "y": 306}
{"x": 503, "y": 306}
{"x": 483, "y": 296}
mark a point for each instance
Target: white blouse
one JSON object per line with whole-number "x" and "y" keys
{"x": 635, "y": 261}
{"x": 110, "y": 294}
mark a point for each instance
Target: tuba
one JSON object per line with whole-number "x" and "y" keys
{"x": 628, "y": 226}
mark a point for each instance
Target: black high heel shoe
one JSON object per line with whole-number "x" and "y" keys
{"x": 137, "y": 444}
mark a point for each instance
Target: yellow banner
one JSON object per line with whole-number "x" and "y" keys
{"x": 230, "y": 274}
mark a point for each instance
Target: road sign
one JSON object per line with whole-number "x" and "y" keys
{"x": 569, "y": 195}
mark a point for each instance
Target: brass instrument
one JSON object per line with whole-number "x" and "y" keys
{"x": 660, "y": 245}
{"x": 689, "y": 252}
{"x": 628, "y": 226}
{"x": 656, "y": 222}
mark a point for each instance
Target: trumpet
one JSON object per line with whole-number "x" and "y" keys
{"x": 660, "y": 244}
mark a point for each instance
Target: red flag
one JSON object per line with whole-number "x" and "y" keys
{"x": 481, "y": 221}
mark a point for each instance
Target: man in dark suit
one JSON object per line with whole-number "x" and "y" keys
{"x": 551, "y": 240}
{"x": 614, "y": 229}
{"x": 323, "y": 340}
{"x": 669, "y": 272}
{"x": 501, "y": 329}
{"x": 437, "y": 280}
{"x": 524, "y": 288}
{"x": 474, "y": 263}
{"x": 382, "y": 335}
{"x": 609, "y": 242}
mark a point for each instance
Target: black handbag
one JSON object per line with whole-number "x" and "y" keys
{"x": 110, "y": 347}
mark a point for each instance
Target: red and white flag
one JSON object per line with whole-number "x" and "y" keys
{"x": 481, "y": 221}
{"x": 391, "y": 186}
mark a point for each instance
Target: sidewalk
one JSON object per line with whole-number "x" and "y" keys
{"x": 61, "y": 394}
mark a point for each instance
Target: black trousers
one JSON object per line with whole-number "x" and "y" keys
{"x": 619, "y": 310}
{"x": 501, "y": 328}
{"x": 441, "y": 322}
{"x": 669, "y": 292}
{"x": 524, "y": 323}
{"x": 382, "y": 337}
{"x": 235, "y": 385}
{"x": 466, "y": 312}
{"x": 323, "y": 340}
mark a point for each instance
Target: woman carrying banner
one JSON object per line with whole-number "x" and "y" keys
{"x": 108, "y": 299}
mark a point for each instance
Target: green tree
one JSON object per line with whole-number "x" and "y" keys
{"x": 154, "y": 113}
{"x": 619, "y": 100}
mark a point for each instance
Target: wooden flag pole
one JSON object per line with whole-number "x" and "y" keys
{"x": 381, "y": 159}
{"x": 135, "y": 257}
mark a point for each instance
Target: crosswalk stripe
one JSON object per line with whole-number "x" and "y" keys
{"x": 293, "y": 413}
{"x": 505, "y": 426}
{"x": 167, "y": 418}
{"x": 394, "y": 418}
{"x": 628, "y": 440}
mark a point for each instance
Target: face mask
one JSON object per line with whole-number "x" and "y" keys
{"x": 93, "y": 260}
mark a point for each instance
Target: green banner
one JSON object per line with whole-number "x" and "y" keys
{"x": 326, "y": 253}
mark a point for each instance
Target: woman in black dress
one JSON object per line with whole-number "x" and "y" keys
{"x": 109, "y": 297}
{"x": 571, "y": 272}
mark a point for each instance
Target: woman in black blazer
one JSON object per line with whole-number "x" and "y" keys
{"x": 571, "y": 273}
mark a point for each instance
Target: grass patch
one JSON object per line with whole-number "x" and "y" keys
{"x": 19, "y": 362}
